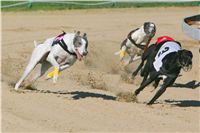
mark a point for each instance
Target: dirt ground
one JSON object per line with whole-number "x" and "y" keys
{"x": 84, "y": 98}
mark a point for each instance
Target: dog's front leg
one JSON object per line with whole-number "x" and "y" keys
{"x": 145, "y": 83}
{"x": 27, "y": 71}
{"x": 51, "y": 59}
{"x": 169, "y": 81}
{"x": 43, "y": 68}
{"x": 122, "y": 51}
{"x": 137, "y": 70}
{"x": 64, "y": 67}
{"x": 51, "y": 74}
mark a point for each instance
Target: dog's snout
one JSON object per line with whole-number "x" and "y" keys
{"x": 152, "y": 30}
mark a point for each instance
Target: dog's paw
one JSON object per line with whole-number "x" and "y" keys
{"x": 55, "y": 78}
{"x": 54, "y": 81}
{"x": 133, "y": 75}
{"x": 17, "y": 87}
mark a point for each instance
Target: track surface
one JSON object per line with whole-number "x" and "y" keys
{"x": 84, "y": 97}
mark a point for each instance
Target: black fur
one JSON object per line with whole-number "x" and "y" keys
{"x": 172, "y": 64}
{"x": 151, "y": 49}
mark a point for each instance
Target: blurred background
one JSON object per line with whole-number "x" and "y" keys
{"x": 10, "y": 5}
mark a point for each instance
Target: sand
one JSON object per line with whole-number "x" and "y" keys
{"x": 84, "y": 98}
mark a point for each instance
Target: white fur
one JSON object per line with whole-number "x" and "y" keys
{"x": 57, "y": 57}
{"x": 140, "y": 37}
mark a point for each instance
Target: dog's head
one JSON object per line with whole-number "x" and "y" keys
{"x": 185, "y": 59}
{"x": 80, "y": 45}
{"x": 149, "y": 28}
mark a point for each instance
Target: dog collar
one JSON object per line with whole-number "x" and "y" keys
{"x": 59, "y": 40}
{"x": 64, "y": 46}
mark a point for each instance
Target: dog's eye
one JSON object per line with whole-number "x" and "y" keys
{"x": 79, "y": 43}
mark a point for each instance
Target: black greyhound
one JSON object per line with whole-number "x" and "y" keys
{"x": 172, "y": 63}
{"x": 153, "y": 48}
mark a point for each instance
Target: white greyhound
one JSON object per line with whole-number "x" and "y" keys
{"x": 136, "y": 42}
{"x": 61, "y": 52}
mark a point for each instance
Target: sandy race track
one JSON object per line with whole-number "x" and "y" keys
{"x": 84, "y": 99}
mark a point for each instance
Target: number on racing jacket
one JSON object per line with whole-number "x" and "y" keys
{"x": 163, "y": 51}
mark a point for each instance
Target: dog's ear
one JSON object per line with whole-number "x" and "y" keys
{"x": 190, "y": 54}
{"x": 78, "y": 33}
{"x": 146, "y": 24}
{"x": 85, "y": 35}
{"x": 63, "y": 32}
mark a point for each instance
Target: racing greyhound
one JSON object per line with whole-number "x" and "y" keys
{"x": 61, "y": 52}
{"x": 164, "y": 62}
{"x": 136, "y": 42}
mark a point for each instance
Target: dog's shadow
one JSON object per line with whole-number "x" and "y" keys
{"x": 191, "y": 85}
{"x": 81, "y": 94}
{"x": 75, "y": 95}
{"x": 184, "y": 103}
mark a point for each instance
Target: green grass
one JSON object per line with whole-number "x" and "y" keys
{"x": 52, "y": 6}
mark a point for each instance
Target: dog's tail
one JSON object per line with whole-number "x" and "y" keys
{"x": 35, "y": 43}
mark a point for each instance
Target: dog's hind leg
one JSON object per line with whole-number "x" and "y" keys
{"x": 169, "y": 81}
{"x": 43, "y": 68}
{"x": 137, "y": 70}
{"x": 36, "y": 56}
{"x": 145, "y": 74}
{"x": 27, "y": 71}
